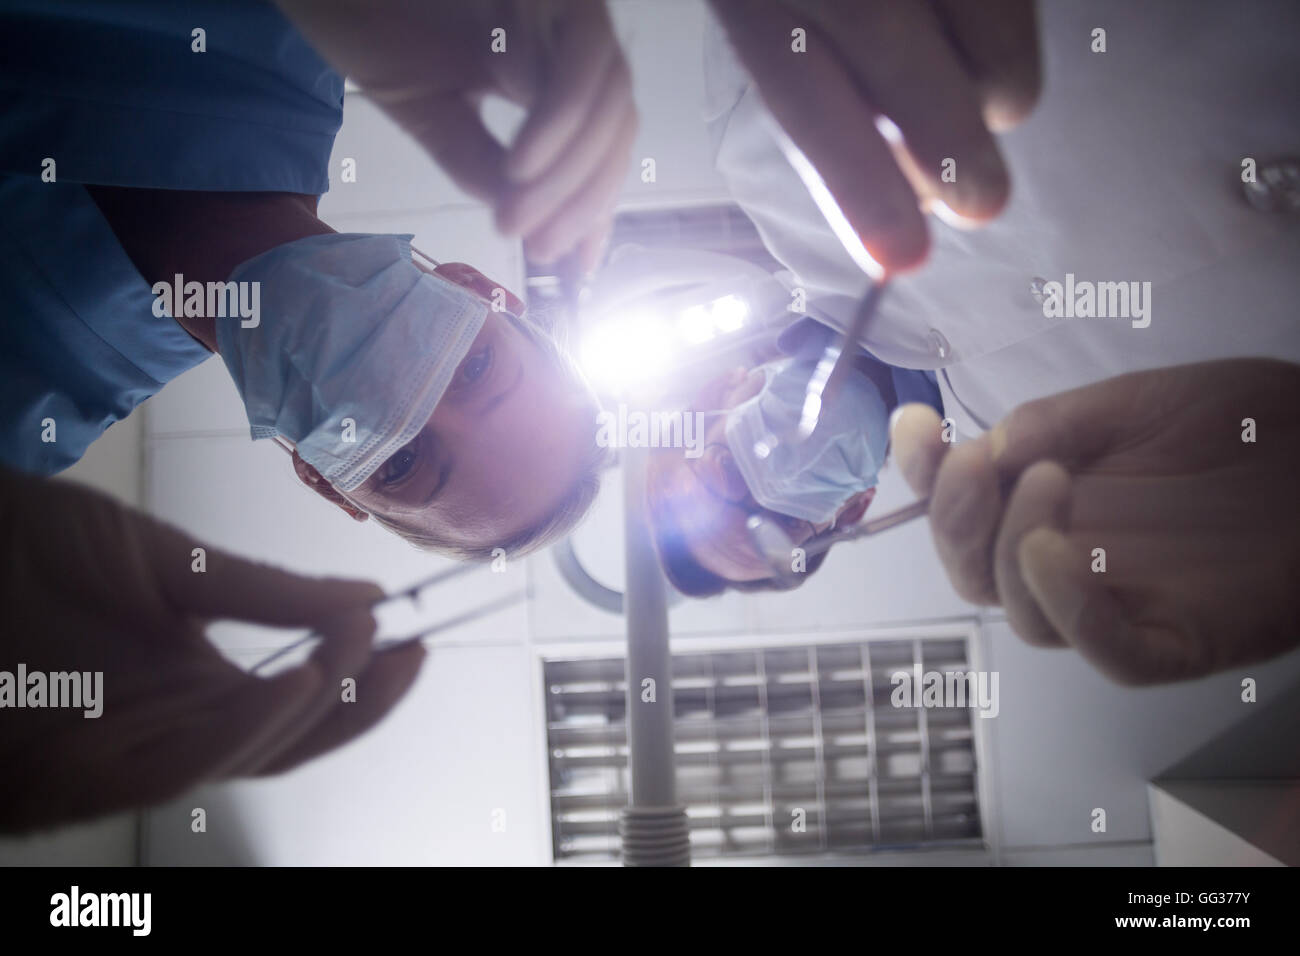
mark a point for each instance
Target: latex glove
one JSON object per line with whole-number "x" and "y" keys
{"x": 1200, "y": 529}
{"x": 948, "y": 73}
{"x": 429, "y": 63}
{"x": 91, "y": 585}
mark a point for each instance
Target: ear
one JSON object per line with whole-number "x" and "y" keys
{"x": 856, "y": 508}
{"x": 479, "y": 284}
{"x": 310, "y": 477}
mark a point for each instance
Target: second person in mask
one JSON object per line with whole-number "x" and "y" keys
{"x": 699, "y": 506}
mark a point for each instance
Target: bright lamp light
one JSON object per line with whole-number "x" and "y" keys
{"x": 626, "y": 351}
{"x": 729, "y": 312}
{"x": 696, "y": 325}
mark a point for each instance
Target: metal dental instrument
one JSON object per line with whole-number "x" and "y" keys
{"x": 827, "y": 376}
{"x": 777, "y": 547}
{"x": 830, "y": 370}
{"x": 412, "y": 594}
{"x": 426, "y": 257}
{"x": 835, "y": 362}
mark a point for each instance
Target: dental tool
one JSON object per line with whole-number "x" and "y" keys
{"x": 831, "y": 369}
{"x": 426, "y": 257}
{"x": 413, "y": 594}
{"x": 777, "y": 548}
{"x": 834, "y": 364}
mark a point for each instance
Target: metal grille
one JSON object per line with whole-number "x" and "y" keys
{"x": 779, "y": 750}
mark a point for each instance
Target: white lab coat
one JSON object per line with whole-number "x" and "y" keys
{"x": 1129, "y": 169}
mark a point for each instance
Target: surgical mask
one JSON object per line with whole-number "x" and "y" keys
{"x": 355, "y": 347}
{"x": 813, "y": 479}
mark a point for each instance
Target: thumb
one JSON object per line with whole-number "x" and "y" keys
{"x": 916, "y": 434}
{"x": 236, "y": 588}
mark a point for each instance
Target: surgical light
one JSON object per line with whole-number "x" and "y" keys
{"x": 729, "y": 312}
{"x": 626, "y": 351}
{"x": 696, "y": 325}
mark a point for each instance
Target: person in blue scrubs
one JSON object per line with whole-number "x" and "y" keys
{"x": 144, "y": 141}
{"x": 128, "y": 155}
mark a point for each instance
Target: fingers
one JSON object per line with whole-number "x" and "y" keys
{"x": 155, "y": 745}
{"x": 918, "y": 446}
{"x": 1041, "y": 499}
{"x": 900, "y": 55}
{"x": 569, "y": 159}
{"x": 591, "y": 203}
{"x": 213, "y": 722}
{"x": 215, "y": 738}
{"x": 965, "y": 513}
{"x": 390, "y": 675}
{"x": 578, "y": 68}
{"x": 1076, "y": 426}
{"x": 448, "y": 126}
{"x": 821, "y": 108}
{"x": 943, "y": 74}
{"x": 1088, "y": 616}
{"x": 536, "y": 199}
{"x": 238, "y": 589}
{"x": 345, "y": 652}
{"x": 998, "y": 39}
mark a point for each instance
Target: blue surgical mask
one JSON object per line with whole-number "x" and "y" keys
{"x": 354, "y": 348}
{"x": 813, "y": 479}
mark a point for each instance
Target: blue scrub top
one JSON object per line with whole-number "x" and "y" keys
{"x": 116, "y": 95}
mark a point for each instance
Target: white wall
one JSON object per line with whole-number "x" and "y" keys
{"x": 468, "y": 740}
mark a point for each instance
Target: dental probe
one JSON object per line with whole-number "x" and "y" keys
{"x": 776, "y": 546}
{"x": 411, "y": 593}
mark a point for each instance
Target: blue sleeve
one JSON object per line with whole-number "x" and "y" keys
{"x": 80, "y": 346}
{"x": 117, "y": 93}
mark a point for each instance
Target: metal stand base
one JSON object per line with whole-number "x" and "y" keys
{"x": 655, "y": 836}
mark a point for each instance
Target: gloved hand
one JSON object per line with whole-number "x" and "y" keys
{"x": 428, "y": 64}
{"x": 948, "y": 74}
{"x": 1200, "y": 529}
{"x": 90, "y": 585}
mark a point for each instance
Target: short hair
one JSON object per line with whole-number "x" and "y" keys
{"x": 684, "y": 572}
{"x": 573, "y": 507}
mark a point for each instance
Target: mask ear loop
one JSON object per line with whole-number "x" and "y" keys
{"x": 426, "y": 257}
{"x": 289, "y": 449}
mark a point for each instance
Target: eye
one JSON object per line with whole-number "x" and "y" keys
{"x": 475, "y": 368}
{"x": 401, "y": 464}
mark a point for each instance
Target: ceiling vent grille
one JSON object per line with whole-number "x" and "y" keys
{"x": 786, "y": 750}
